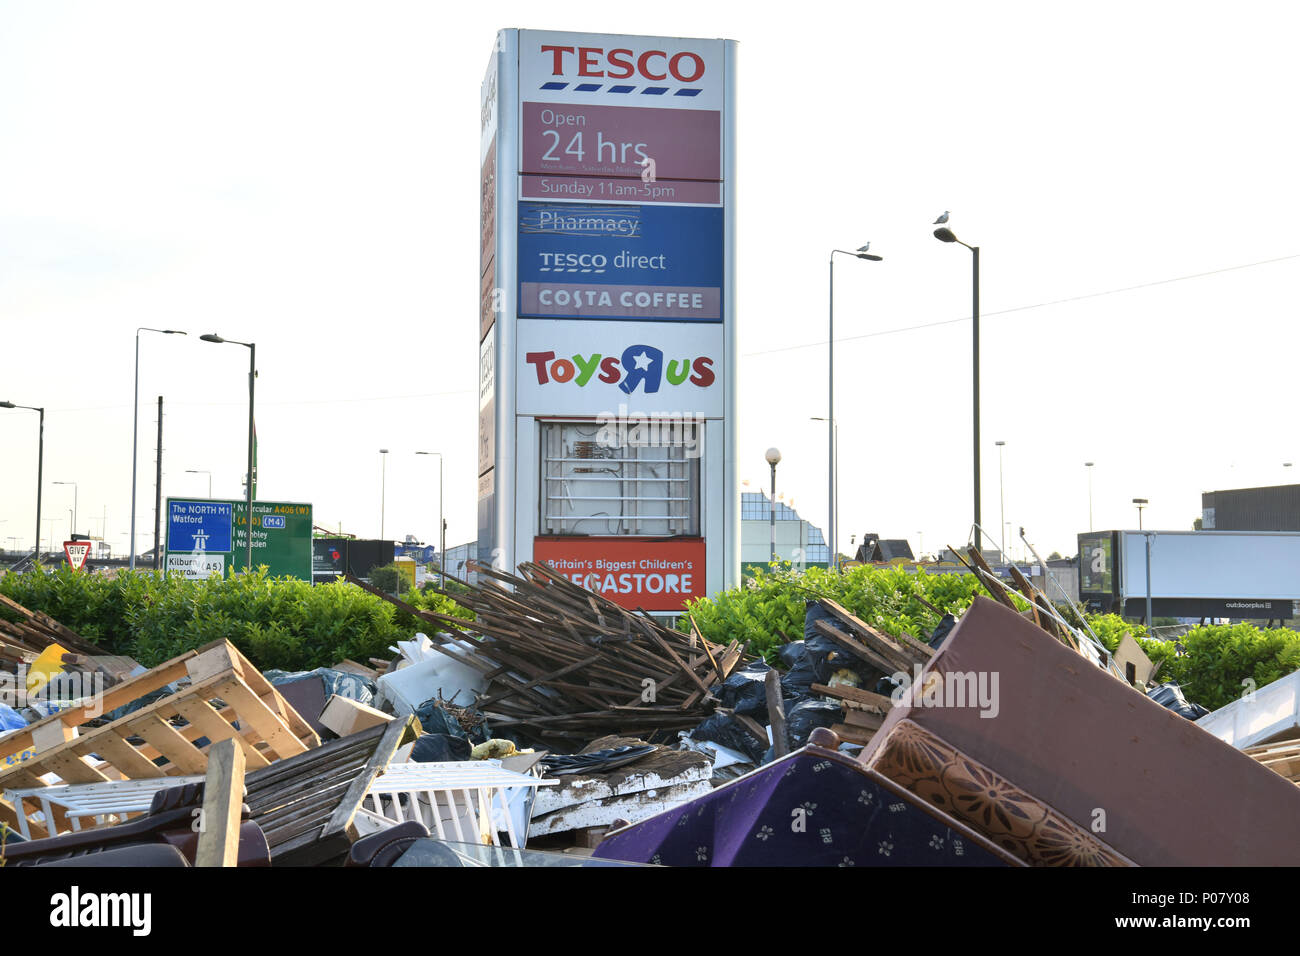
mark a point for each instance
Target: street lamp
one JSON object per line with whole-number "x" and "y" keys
{"x": 383, "y": 490}
{"x": 40, "y": 466}
{"x": 252, "y": 377}
{"x": 1088, "y": 465}
{"x": 1002, "y": 499}
{"x": 74, "y": 504}
{"x": 860, "y": 253}
{"x": 135, "y": 426}
{"x": 944, "y": 234}
{"x": 442, "y": 524}
{"x": 200, "y": 471}
{"x": 773, "y": 457}
{"x": 1141, "y": 503}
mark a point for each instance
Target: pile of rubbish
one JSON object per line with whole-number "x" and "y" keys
{"x": 563, "y": 727}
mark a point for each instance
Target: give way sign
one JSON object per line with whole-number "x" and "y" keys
{"x": 77, "y": 552}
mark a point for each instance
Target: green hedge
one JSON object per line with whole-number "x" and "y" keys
{"x": 289, "y": 624}
{"x": 768, "y": 610}
{"x": 276, "y": 622}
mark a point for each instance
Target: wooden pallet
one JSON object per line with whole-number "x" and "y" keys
{"x": 224, "y": 688}
{"x": 62, "y": 726}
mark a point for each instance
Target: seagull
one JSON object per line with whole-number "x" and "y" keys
{"x": 864, "y": 248}
{"x": 942, "y": 219}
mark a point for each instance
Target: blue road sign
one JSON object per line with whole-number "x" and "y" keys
{"x": 199, "y": 525}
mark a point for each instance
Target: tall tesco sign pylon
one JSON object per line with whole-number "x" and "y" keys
{"x": 607, "y": 319}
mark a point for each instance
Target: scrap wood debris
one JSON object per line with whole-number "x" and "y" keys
{"x": 34, "y": 632}
{"x": 864, "y": 710}
{"x": 562, "y": 662}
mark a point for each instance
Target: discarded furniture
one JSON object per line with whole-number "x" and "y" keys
{"x": 462, "y": 800}
{"x": 87, "y": 805}
{"x": 143, "y": 855}
{"x": 1053, "y": 759}
{"x": 383, "y": 848}
{"x": 307, "y": 805}
{"x": 226, "y": 698}
{"x": 446, "y": 853}
{"x": 813, "y": 807}
{"x": 172, "y": 819}
{"x": 1266, "y": 715}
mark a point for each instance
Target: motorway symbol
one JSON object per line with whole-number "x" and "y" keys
{"x": 199, "y": 526}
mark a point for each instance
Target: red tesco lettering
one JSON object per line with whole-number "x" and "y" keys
{"x": 618, "y": 64}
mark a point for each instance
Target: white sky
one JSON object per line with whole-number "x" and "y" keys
{"x": 305, "y": 176}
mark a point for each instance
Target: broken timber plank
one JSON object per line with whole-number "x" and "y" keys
{"x": 223, "y": 798}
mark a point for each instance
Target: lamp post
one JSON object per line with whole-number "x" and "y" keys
{"x": 860, "y": 253}
{"x": 135, "y": 426}
{"x": 1088, "y": 465}
{"x": 252, "y": 378}
{"x": 1141, "y": 503}
{"x": 40, "y": 467}
{"x": 944, "y": 234}
{"x": 200, "y": 471}
{"x": 74, "y": 504}
{"x": 773, "y": 457}
{"x": 1002, "y": 500}
{"x": 442, "y": 524}
{"x": 383, "y": 490}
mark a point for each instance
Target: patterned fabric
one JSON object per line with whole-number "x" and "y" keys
{"x": 811, "y": 808}
{"x": 1021, "y": 824}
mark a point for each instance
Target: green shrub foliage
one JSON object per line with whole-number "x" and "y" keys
{"x": 292, "y": 625}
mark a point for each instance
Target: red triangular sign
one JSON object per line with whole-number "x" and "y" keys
{"x": 77, "y": 552}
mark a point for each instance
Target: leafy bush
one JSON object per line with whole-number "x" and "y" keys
{"x": 1221, "y": 656}
{"x": 768, "y": 609}
{"x": 387, "y": 578}
{"x": 275, "y": 622}
{"x": 427, "y": 599}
